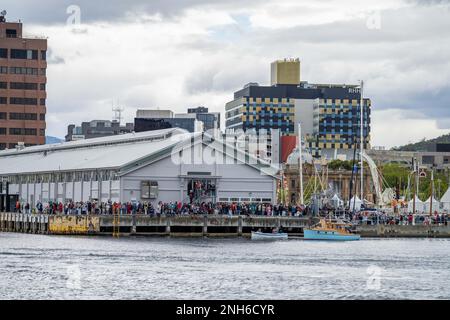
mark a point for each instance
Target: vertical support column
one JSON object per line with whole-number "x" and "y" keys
{"x": 28, "y": 194}
{"x": 81, "y": 188}
{"x": 33, "y": 205}
{"x": 205, "y": 226}
{"x": 240, "y": 226}
{"x": 133, "y": 224}
{"x": 56, "y": 189}
{"x": 110, "y": 188}
{"x": 49, "y": 188}
{"x": 42, "y": 190}
{"x": 168, "y": 226}
{"x": 90, "y": 188}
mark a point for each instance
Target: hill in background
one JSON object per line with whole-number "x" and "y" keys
{"x": 51, "y": 140}
{"x": 424, "y": 145}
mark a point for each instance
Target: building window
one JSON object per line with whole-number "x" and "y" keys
{"x": 22, "y": 116}
{"x": 3, "y": 100}
{"x": 43, "y": 55}
{"x": 3, "y": 53}
{"x": 42, "y": 132}
{"x": 23, "y": 86}
{"x": 3, "y": 85}
{"x": 149, "y": 189}
{"x": 42, "y": 117}
{"x": 15, "y": 131}
{"x": 2, "y": 131}
{"x": 42, "y": 86}
{"x": 42, "y": 102}
{"x": 2, "y": 115}
{"x": 11, "y": 33}
{"x": 23, "y": 101}
{"x": 24, "y": 54}
{"x": 22, "y": 131}
{"x": 4, "y": 70}
{"x": 43, "y": 72}
{"x": 30, "y": 132}
{"x": 23, "y": 70}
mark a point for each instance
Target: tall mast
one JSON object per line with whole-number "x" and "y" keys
{"x": 432, "y": 191}
{"x": 300, "y": 164}
{"x": 361, "y": 141}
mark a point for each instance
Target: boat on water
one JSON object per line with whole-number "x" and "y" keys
{"x": 257, "y": 235}
{"x": 329, "y": 230}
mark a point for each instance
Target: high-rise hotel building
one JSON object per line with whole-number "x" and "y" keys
{"x": 329, "y": 114}
{"x": 22, "y": 87}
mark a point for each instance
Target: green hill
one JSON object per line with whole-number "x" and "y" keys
{"x": 424, "y": 145}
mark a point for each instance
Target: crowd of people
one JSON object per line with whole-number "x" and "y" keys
{"x": 162, "y": 208}
{"x": 367, "y": 217}
{"x": 381, "y": 217}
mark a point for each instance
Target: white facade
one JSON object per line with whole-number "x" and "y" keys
{"x": 120, "y": 168}
{"x": 304, "y": 114}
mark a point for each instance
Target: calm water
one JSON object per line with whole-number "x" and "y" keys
{"x": 44, "y": 267}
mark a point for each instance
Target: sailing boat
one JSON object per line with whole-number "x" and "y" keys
{"x": 331, "y": 230}
{"x": 339, "y": 230}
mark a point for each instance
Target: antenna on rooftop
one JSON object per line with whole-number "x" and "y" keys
{"x": 2, "y": 16}
{"x": 118, "y": 113}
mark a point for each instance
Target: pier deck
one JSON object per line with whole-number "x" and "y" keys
{"x": 192, "y": 225}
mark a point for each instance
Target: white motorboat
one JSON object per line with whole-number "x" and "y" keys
{"x": 269, "y": 236}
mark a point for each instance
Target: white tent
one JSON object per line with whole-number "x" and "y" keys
{"x": 445, "y": 200}
{"x": 355, "y": 201}
{"x": 336, "y": 201}
{"x": 435, "y": 205}
{"x": 420, "y": 206}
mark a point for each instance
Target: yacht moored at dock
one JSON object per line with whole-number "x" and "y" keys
{"x": 328, "y": 230}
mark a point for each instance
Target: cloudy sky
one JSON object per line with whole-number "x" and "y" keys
{"x": 179, "y": 54}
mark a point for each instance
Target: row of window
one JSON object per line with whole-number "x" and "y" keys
{"x": 23, "y": 70}
{"x": 23, "y": 131}
{"x": 61, "y": 177}
{"x": 22, "y": 86}
{"x": 22, "y": 116}
{"x": 23, "y": 101}
{"x": 24, "y": 54}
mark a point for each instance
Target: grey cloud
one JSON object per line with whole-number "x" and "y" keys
{"x": 54, "y": 11}
{"x": 428, "y": 2}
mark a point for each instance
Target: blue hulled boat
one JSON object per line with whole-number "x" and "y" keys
{"x": 327, "y": 230}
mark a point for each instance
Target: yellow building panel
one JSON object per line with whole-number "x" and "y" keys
{"x": 345, "y": 101}
{"x": 244, "y": 118}
{"x": 329, "y": 101}
{"x": 354, "y": 102}
{"x": 337, "y": 102}
{"x": 284, "y": 100}
{"x": 251, "y": 100}
{"x": 275, "y": 100}
{"x": 267, "y": 100}
{"x": 258, "y": 100}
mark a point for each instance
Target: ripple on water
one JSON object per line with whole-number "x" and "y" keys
{"x": 45, "y": 267}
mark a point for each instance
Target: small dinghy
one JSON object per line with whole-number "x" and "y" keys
{"x": 269, "y": 236}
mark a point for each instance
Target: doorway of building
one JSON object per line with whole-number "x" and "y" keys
{"x": 201, "y": 190}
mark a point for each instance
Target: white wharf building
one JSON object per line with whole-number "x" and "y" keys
{"x": 165, "y": 165}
